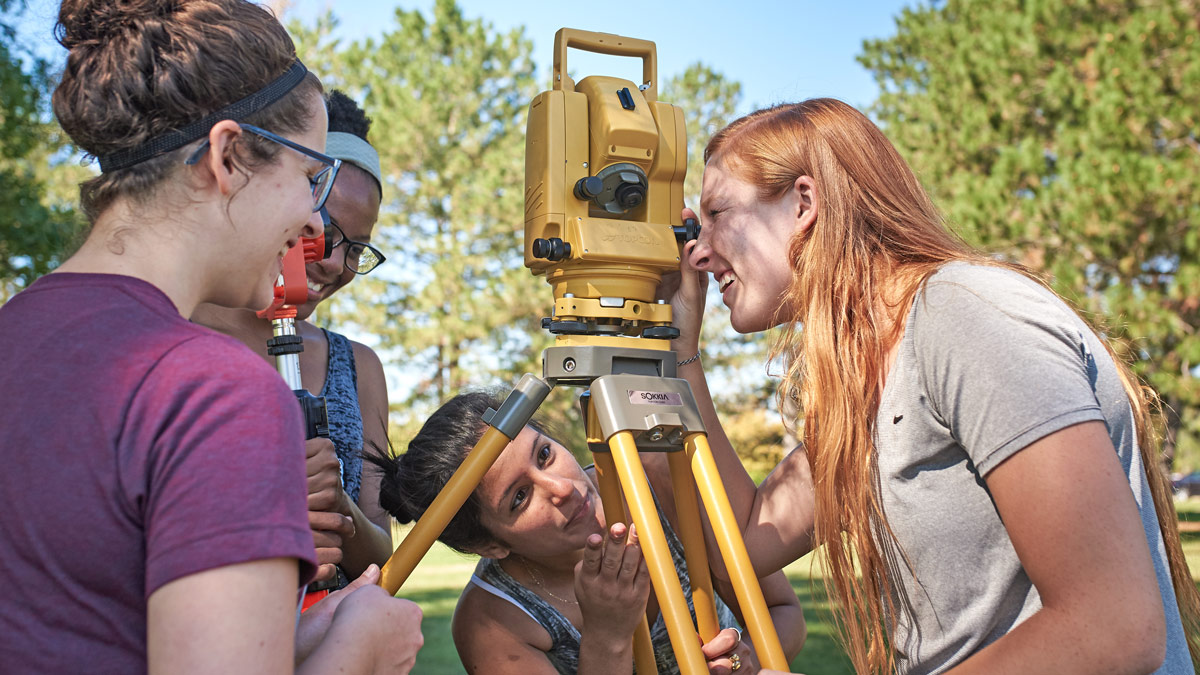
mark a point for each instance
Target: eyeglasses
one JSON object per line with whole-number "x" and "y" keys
{"x": 361, "y": 257}
{"x": 322, "y": 183}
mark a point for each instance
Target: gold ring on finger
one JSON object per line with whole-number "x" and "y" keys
{"x": 735, "y": 661}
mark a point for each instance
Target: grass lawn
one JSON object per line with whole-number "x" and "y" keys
{"x": 438, "y": 580}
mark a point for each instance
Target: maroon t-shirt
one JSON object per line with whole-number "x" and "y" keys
{"x": 135, "y": 448}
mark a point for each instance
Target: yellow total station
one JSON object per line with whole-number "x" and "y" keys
{"x": 604, "y": 169}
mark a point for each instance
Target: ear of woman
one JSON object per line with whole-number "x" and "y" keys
{"x": 808, "y": 201}
{"x": 220, "y": 163}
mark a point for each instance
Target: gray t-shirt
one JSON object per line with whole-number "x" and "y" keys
{"x": 989, "y": 363}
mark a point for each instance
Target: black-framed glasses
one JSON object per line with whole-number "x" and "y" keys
{"x": 322, "y": 183}
{"x": 361, "y": 257}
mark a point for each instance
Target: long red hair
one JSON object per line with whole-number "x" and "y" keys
{"x": 877, "y": 238}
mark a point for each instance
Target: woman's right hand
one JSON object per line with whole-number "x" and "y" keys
{"x": 612, "y": 584}
{"x": 686, "y": 290}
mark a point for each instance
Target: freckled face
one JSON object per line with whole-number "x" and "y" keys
{"x": 744, "y": 244}
{"x": 537, "y": 499}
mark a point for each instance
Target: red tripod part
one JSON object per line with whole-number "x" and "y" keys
{"x": 293, "y": 289}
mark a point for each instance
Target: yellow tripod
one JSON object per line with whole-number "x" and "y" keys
{"x": 604, "y": 170}
{"x": 627, "y": 413}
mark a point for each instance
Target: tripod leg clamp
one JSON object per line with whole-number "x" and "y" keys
{"x": 519, "y": 406}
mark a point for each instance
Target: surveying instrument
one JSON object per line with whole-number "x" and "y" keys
{"x": 604, "y": 169}
{"x": 285, "y": 346}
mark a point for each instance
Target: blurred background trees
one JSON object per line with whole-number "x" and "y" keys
{"x": 1061, "y": 134}
{"x": 37, "y": 222}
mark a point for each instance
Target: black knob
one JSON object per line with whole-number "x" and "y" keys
{"x": 689, "y": 231}
{"x": 552, "y": 249}
{"x": 630, "y": 195}
{"x": 661, "y": 332}
{"x": 588, "y": 187}
{"x": 559, "y": 249}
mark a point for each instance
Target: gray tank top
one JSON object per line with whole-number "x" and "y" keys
{"x": 564, "y": 652}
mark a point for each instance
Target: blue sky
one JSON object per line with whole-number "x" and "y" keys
{"x": 779, "y": 50}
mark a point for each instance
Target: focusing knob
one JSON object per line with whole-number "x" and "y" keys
{"x": 552, "y": 249}
{"x": 688, "y": 231}
{"x": 630, "y": 193}
{"x": 588, "y": 188}
{"x": 623, "y": 187}
{"x": 630, "y": 196}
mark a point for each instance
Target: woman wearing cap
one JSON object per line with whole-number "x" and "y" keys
{"x": 154, "y": 469}
{"x": 350, "y": 528}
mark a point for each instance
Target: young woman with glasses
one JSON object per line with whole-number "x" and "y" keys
{"x": 350, "y": 528}
{"x": 154, "y": 469}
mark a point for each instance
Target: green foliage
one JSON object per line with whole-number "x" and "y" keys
{"x": 447, "y": 95}
{"x": 36, "y": 223}
{"x": 709, "y": 102}
{"x": 1062, "y": 134}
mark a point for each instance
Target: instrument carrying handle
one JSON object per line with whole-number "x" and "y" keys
{"x": 605, "y": 43}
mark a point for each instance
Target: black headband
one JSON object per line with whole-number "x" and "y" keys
{"x": 173, "y": 140}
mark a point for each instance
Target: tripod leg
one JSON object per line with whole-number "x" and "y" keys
{"x": 505, "y": 424}
{"x": 614, "y": 512}
{"x": 691, "y": 533}
{"x": 460, "y": 486}
{"x": 658, "y": 558}
{"x": 733, "y": 551}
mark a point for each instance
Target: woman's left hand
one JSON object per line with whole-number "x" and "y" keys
{"x": 727, "y": 654}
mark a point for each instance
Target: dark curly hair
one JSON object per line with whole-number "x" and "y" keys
{"x": 139, "y": 68}
{"x": 345, "y": 115}
{"x": 411, "y": 481}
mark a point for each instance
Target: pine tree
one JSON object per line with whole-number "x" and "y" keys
{"x": 1063, "y": 134}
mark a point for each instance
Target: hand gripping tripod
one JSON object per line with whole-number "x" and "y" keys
{"x": 604, "y": 172}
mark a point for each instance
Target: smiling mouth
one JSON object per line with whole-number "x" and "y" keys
{"x": 726, "y": 279}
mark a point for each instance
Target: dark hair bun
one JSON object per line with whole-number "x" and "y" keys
{"x": 96, "y": 22}
{"x": 137, "y": 69}
{"x": 391, "y": 487}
